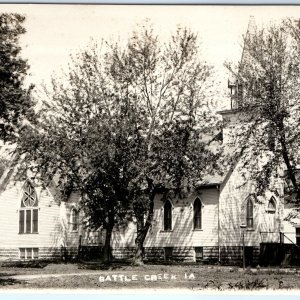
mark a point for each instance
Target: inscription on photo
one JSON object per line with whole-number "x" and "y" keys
{"x": 146, "y": 277}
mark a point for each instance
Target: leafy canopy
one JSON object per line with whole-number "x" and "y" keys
{"x": 15, "y": 101}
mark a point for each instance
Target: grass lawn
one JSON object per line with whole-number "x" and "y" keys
{"x": 195, "y": 277}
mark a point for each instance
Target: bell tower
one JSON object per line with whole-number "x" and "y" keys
{"x": 231, "y": 117}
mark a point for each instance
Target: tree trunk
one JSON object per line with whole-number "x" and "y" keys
{"x": 290, "y": 169}
{"x": 139, "y": 241}
{"x": 107, "y": 256}
{"x": 142, "y": 229}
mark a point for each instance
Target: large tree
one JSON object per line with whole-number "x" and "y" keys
{"x": 81, "y": 140}
{"x": 267, "y": 101}
{"x": 15, "y": 100}
{"x": 168, "y": 83}
{"x": 125, "y": 124}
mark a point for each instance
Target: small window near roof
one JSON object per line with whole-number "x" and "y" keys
{"x": 29, "y": 198}
{"x": 272, "y": 205}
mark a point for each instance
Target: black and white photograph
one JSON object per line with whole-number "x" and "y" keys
{"x": 149, "y": 147}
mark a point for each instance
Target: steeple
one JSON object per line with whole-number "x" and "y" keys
{"x": 249, "y": 34}
{"x": 235, "y": 85}
{"x": 232, "y": 117}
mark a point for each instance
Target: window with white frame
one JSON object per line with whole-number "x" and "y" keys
{"x": 28, "y": 213}
{"x": 74, "y": 219}
{"x": 29, "y": 253}
{"x": 197, "y": 214}
{"x": 249, "y": 213}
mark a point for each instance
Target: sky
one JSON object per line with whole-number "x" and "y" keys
{"x": 56, "y": 31}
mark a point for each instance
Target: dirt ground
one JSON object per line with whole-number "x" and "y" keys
{"x": 193, "y": 277}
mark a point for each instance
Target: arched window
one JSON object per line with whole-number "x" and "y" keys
{"x": 272, "y": 205}
{"x": 168, "y": 215}
{"x": 197, "y": 214}
{"x": 74, "y": 218}
{"x": 249, "y": 213}
{"x": 28, "y": 213}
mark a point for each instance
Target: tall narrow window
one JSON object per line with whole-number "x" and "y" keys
{"x": 21, "y": 221}
{"x": 272, "y": 205}
{"x": 74, "y": 219}
{"x": 35, "y": 222}
{"x": 197, "y": 214}
{"x": 249, "y": 213}
{"x": 28, "y": 213}
{"x": 168, "y": 215}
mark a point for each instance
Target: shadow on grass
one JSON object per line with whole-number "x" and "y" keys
{"x": 6, "y": 280}
{"x": 121, "y": 264}
{"x": 36, "y": 264}
{"x": 100, "y": 265}
{"x": 10, "y": 281}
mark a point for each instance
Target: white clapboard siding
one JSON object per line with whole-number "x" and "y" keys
{"x": 71, "y": 237}
{"x": 290, "y": 225}
{"x": 49, "y": 230}
{"x": 124, "y": 237}
{"x": 233, "y": 199}
{"x": 182, "y": 234}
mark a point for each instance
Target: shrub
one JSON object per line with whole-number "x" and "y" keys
{"x": 249, "y": 284}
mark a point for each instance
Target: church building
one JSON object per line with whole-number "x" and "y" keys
{"x": 220, "y": 222}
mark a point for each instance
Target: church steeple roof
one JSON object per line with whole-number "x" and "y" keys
{"x": 249, "y": 33}
{"x": 236, "y": 85}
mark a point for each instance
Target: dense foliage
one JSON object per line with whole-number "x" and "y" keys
{"x": 125, "y": 123}
{"x": 15, "y": 101}
{"x": 268, "y": 105}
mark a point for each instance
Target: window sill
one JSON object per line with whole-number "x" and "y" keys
{"x": 166, "y": 230}
{"x": 198, "y": 229}
{"x": 250, "y": 229}
{"x": 25, "y": 233}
